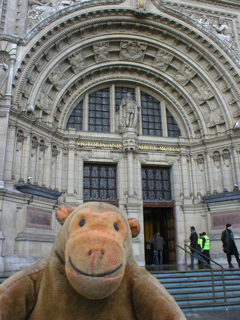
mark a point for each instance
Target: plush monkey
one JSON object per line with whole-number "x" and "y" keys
{"x": 90, "y": 274}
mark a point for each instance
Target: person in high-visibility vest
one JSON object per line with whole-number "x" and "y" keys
{"x": 200, "y": 245}
{"x": 206, "y": 247}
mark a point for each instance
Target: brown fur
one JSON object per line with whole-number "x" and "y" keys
{"x": 89, "y": 274}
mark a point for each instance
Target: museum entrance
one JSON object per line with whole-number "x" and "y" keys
{"x": 160, "y": 219}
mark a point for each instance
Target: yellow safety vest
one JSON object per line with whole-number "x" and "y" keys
{"x": 200, "y": 242}
{"x": 207, "y": 243}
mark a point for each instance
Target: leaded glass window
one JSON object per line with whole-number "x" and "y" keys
{"x": 121, "y": 93}
{"x": 99, "y": 111}
{"x": 156, "y": 184}
{"x": 99, "y": 182}
{"x": 75, "y": 119}
{"x": 151, "y": 115}
{"x": 173, "y": 129}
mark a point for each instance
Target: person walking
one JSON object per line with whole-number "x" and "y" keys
{"x": 206, "y": 247}
{"x": 158, "y": 243}
{"x": 194, "y": 244}
{"x": 229, "y": 246}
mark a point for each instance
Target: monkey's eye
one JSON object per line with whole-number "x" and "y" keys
{"x": 82, "y": 223}
{"x": 116, "y": 227}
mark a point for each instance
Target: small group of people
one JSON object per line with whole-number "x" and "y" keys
{"x": 201, "y": 244}
{"x": 154, "y": 250}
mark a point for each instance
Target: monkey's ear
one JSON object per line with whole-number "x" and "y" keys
{"x": 134, "y": 226}
{"x": 63, "y": 212}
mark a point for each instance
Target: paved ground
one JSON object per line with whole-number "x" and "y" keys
{"x": 227, "y": 314}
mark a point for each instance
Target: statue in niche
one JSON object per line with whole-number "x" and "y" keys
{"x": 44, "y": 103}
{"x": 57, "y": 78}
{"x": 203, "y": 94}
{"x": 226, "y": 158}
{"x": 77, "y": 61}
{"x": 216, "y": 159}
{"x": 200, "y": 163}
{"x": 4, "y": 71}
{"x": 128, "y": 113}
{"x": 101, "y": 51}
{"x": 222, "y": 30}
{"x": 132, "y": 50}
{"x": 141, "y": 5}
{"x": 184, "y": 74}
{"x": 162, "y": 59}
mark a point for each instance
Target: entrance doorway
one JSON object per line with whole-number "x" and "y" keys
{"x": 161, "y": 219}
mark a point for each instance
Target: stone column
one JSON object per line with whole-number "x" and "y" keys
{"x": 164, "y": 119}
{"x": 112, "y": 110}
{"x": 71, "y": 158}
{"x": 138, "y": 100}
{"x": 235, "y": 166}
{"x": 47, "y": 165}
{"x": 209, "y": 173}
{"x": 85, "y": 112}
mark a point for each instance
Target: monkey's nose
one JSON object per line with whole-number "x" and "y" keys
{"x": 90, "y": 252}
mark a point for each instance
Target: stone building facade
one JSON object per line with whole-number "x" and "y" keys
{"x": 131, "y": 102}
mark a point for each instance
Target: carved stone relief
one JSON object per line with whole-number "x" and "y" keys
{"x": 34, "y": 146}
{"x": 200, "y": 162}
{"x": 222, "y": 30}
{"x": 19, "y": 140}
{"x": 204, "y": 93}
{"x": 57, "y": 78}
{"x": 213, "y": 118}
{"x": 77, "y": 61}
{"x": 4, "y": 72}
{"x": 132, "y": 50}
{"x": 44, "y": 102}
{"x": 41, "y": 9}
{"x": 162, "y": 59}
{"x": 184, "y": 74}
{"x": 101, "y": 51}
{"x": 226, "y": 158}
{"x": 216, "y": 159}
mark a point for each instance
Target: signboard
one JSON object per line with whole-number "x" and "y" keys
{"x": 220, "y": 220}
{"x": 38, "y": 218}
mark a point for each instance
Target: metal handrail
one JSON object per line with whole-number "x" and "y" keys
{"x": 213, "y": 289}
{"x": 209, "y": 259}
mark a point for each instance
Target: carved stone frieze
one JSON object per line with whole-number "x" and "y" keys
{"x": 57, "y": 78}
{"x": 204, "y": 93}
{"x": 101, "y": 51}
{"x": 44, "y": 102}
{"x": 132, "y": 50}
{"x": 77, "y": 61}
{"x": 162, "y": 59}
{"x": 184, "y": 74}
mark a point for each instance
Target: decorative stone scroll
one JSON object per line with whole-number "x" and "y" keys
{"x": 132, "y": 50}
{"x": 101, "y": 51}
{"x": 162, "y": 60}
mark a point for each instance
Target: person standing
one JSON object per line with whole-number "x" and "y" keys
{"x": 229, "y": 246}
{"x": 194, "y": 244}
{"x": 206, "y": 246}
{"x": 158, "y": 243}
{"x": 148, "y": 251}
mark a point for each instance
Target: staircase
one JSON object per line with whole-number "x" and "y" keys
{"x": 193, "y": 289}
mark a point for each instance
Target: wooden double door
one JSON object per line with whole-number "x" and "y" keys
{"x": 161, "y": 219}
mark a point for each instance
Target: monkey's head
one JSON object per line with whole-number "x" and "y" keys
{"x": 95, "y": 243}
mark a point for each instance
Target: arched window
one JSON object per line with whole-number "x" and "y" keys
{"x": 173, "y": 129}
{"x": 75, "y": 120}
{"x": 99, "y": 111}
{"x": 151, "y": 115}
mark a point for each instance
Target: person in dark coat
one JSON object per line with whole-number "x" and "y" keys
{"x": 229, "y": 246}
{"x": 194, "y": 244}
{"x": 158, "y": 243}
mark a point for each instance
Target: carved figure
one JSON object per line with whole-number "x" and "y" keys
{"x": 90, "y": 273}
{"x": 203, "y": 22}
{"x": 204, "y": 93}
{"x": 128, "y": 113}
{"x": 162, "y": 59}
{"x": 223, "y": 32}
{"x": 184, "y": 74}
{"x": 4, "y": 70}
{"x": 44, "y": 102}
{"x": 77, "y": 61}
{"x": 101, "y": 51}
{"x": 57, "y": 77}
{"x": 132, "y": 50}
